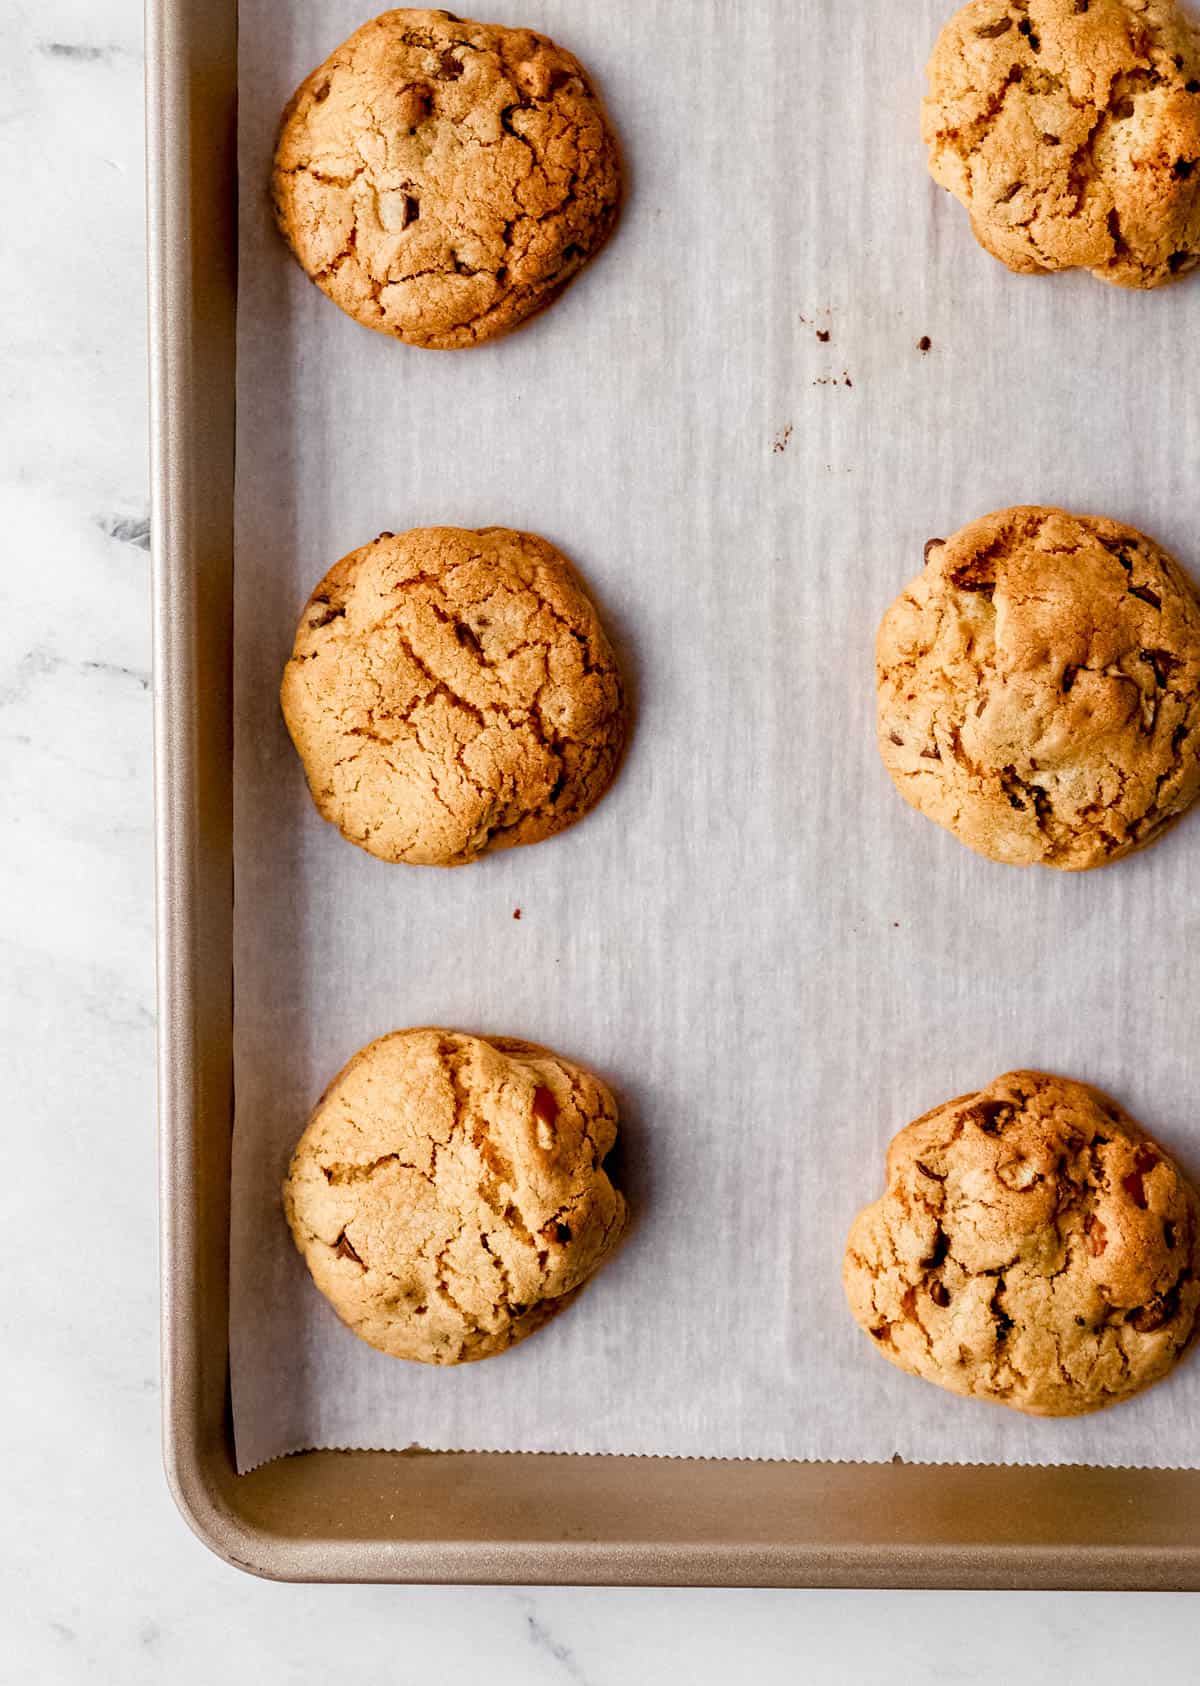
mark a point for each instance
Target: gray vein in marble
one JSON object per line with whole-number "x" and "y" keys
{"x": 33, "y": 665}
{"x": 80, "y": 52}
{"x": 40, "y": 663}
{"x": 121, "y": 1012}
{"x": 126, "y": 529}
{"x": 544, "y": 1641}
{"x": 116, "y": 669}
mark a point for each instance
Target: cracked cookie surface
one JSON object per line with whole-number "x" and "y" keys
{"x": 453, "y": 692}
{"x": 443, "y": 180}
{"x": 448, "y": 1194}
{"x": 1034, "y": 1248}
{"x": 1070, "y": 131}
{"x": 1039, "y": 688}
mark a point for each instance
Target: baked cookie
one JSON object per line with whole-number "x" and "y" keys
{"x": 1034, "y": 1248}
{"x": 443, "y": 180}
{"x": 1070, "y": 130}
{"x": 453, "y": 692}
{"x": 1039, "y": 688}
{"x": 449, "y": 1195}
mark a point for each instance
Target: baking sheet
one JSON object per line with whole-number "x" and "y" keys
{"x": 773, "y": 961}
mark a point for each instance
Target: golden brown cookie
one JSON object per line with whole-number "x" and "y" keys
{"x": 448, "y": 1194}
{"x": 453, "y": 692}
{"x": 1070, "y": 130}
{"x": 1034, "y": 1248}
{"x": 443, "y": 180}
{"x": 1039, "y": 688}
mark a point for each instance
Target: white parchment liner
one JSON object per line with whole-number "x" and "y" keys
{"x": 773, "y": 961}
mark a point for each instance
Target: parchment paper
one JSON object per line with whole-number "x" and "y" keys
{"x": 772, "y": 959}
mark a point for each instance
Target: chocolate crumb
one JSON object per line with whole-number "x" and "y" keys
{"x": 1097, "y": 1235}
{"x": 1135, "y": 1189}
{"x": 1004, "y": 1323}
{"x": 924, "y": 343}
{"x": 1147, "y": 1319}
{"x": 545, "y": 1106}
{"x": 941, "y": 1250}
{"x": 343, "y": 1250}
{"x": 989, "y": 1116}
{"x": 1163, "y": 664}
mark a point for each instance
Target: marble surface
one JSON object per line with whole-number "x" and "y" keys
{"x": 99, "y": 1578}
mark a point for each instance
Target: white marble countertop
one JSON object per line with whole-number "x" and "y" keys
{"x": 100, "y": 1579}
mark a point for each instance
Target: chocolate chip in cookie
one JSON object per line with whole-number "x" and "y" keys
{"x": 1033, "y": 1248}
{"x": 449, "y": 1194}
{"x": 1039, "y": 688}
{"x": 1071, "y": 134}
{"x": 451, "y": 693}
{"x": 443, "y": 180}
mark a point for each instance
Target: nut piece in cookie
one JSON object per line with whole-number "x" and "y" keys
{"x": 1070, "y": 130}
{"x": 1039, "y": 688}
{"x": 449, "y": 1194}
{"x": 443, "y": 180}
{"x": 453, "y": 692}
{"x": 1034, "y": 1248}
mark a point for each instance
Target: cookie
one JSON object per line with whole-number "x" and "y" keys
{"x": 443, "y": 180}
{"x": 1039, "y": 688}
{"x": 1070, "y": 130}
{"x": 1034, "y": 1248}
{"x": 451, "y": 693}
{"x": 449, "y": 1194}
